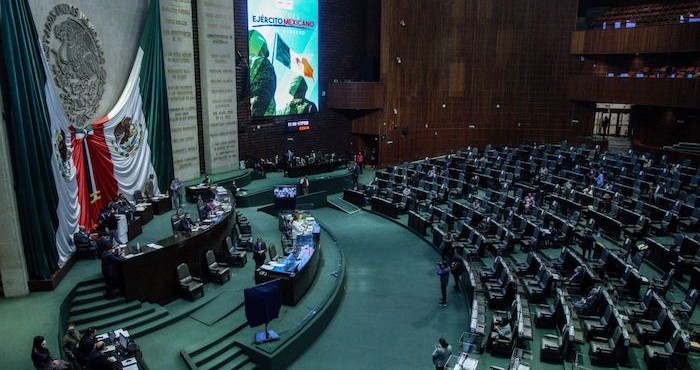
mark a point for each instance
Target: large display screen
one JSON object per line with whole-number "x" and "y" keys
{"x": 283, "y": 57}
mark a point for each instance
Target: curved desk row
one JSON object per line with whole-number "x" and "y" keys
{"x": 313, "y": 168}
{"x": 151, "y": 275}
{"x": 296, "y": 271}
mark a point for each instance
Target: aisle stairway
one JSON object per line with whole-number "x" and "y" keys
{"x": 222, "y": 353}
{"x": 618, "y": 145}
{"x": 90, "y": 308}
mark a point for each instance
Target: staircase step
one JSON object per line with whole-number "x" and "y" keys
{"x": 111, "y": 310}
{"x": 90, "y": 287}
{"x": 88, "y": 298}
{"x": 215, "y": 351}
{"x": 94, "y": 306}
{"x": 118, "y": 321}
{"x": 248, "y": 366}
{"x": 155, "y": 315}
{"x": 231, "y": 359}
{"x": 199, "y": 349}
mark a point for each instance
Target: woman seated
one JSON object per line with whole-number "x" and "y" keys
{"x": 41, "y": 357}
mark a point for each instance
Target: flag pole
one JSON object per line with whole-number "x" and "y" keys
{"x": 274, "y": 48}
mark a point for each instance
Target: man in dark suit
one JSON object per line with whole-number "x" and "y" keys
{"x": 259, "y": 251}
{"x": 82, "y": 240}
{"x": 186, "y": 223}
{"x": 587, "y": 242}
{"x": 110, "y": 258}
{"x": 97, "y": 360}
{"x": 86, "y": 345}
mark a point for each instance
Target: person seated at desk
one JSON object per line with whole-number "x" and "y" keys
{"x": 500, "y": 330}
{"x": 576, "y": 277}
{"x": 299, "y": 227}
{"x": 82, "y": 240}
{"x": 87, "y": 343}
{"x": 551, "y": 234}
{"x": 41, "y": 357}
{"x": 584, "y": 304}
{"x": 527, "y": 203}
{"x": 97, "y": 360}
{"x": 186, "y": 224}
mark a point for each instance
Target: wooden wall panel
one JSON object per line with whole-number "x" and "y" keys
{"x": 668, "y": 92}
{"x": 498, "y": 65}
{"x": 672, "y": 38}
{"x": 356, "y": 95}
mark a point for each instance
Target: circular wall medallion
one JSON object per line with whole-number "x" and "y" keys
{"x": 76, "y": 60}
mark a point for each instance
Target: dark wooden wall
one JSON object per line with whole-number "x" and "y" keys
{"x": 666, "y": 92}
{"x": 659, "y": 126}
{"x": 497, "y": 66}
{"x": 343, "y": 46}
{"x": 648, "y": 39}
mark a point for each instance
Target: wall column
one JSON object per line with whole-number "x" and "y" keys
{"x": 13, "y": 267}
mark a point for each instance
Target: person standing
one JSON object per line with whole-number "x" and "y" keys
{"x": 442, "y": 352}
{"x": 443, "y": 271}
{"x": 259, "y": 252}
{"x": 110, "y": 258}
{"x": 457, "y": 268}
{"x": 149, "y": 188}
{"x": 70, "y": 341}
{"x": 587, "y": 242}
{"x": 355, "y": 174}
{"x": 360, "y": 161}
{"x": 448, "y": 251}
{"x": 304, "y": 183}
{"x": 176, "y": 192}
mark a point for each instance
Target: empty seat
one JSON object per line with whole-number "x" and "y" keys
{"x": 189, "y": 286}
{"x": 609, "y": 352}
{"x": 218, "y": 272}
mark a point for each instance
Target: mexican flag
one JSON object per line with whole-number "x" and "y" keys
{"x": 118, "y": 152}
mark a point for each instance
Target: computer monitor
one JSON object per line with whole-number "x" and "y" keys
{"x": 273, "y": 252}
{"x": 285, "y": 196}
{"x": 123, "y": 342}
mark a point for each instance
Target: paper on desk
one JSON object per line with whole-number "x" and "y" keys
{"x": 266, "y": 267}
{"x": 154, "y": 246}
{"x": 123, "y": 332}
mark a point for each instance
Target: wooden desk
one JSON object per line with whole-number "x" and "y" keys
{"x": 161, "y": 205}
{"x": 296, "y": 277}
{"x": 192, "y": 193}
{"x": 145, "y": 211}
{"x": 152, "y": 277}
{"x": 385, "y": 207}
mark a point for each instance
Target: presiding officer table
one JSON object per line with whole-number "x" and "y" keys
{"x": 151, "y": 274}
{"x": 296, "y": 271}
{"x": 313, "y": 168}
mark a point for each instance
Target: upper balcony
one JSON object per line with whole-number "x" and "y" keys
{"x": 666, "y": 92}
{"x": 667, "y": 38}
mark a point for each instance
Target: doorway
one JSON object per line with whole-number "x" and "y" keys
{"x": 612, "y": 120}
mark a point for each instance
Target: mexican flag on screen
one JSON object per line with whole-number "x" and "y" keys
{"x": 118, "y": 152}
{"x": 290, "y": 59}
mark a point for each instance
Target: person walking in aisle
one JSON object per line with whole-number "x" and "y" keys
{"x": 441, "y": 353}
